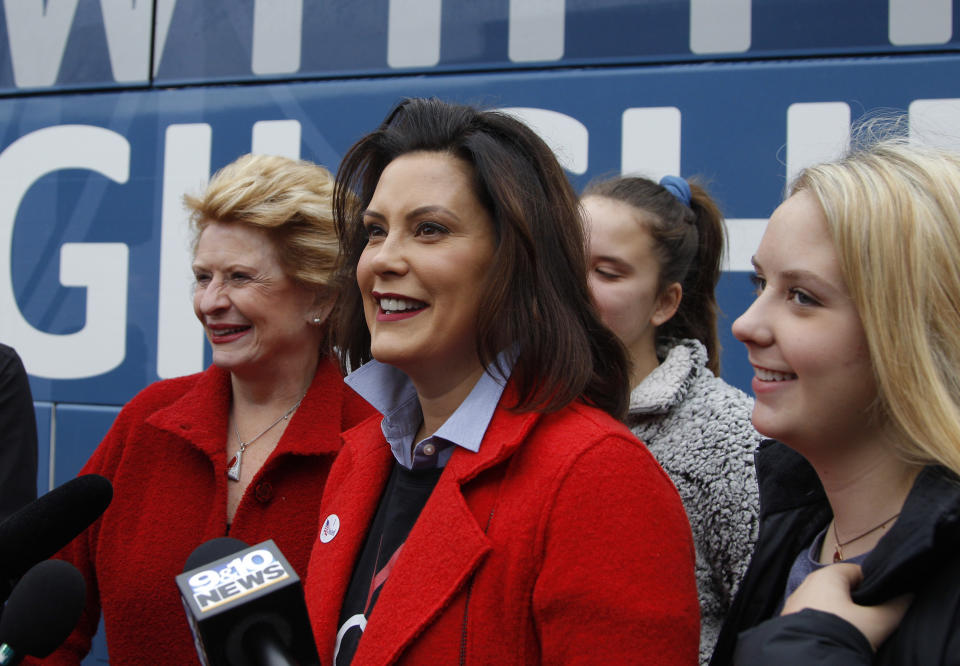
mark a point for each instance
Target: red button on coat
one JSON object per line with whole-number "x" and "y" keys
{"x": 263, "y": 492}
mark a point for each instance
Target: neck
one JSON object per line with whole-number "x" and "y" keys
{"x": 440, "y": 399}
{"x": 864, "y": 491}
{"x": 279, "y": 386}
{"x": 643, "y": 361}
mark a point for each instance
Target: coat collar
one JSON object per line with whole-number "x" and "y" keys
{"x": 447, "y": 544}
{"x": 200, "y": 416}
{"x": 668, "y": 384}
{"x": 924, "y": 538}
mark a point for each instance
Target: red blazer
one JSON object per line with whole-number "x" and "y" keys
{"x": 166, "y": 457}
{"x": 560, "y": 541}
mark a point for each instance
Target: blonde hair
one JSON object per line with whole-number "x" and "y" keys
{"x": 290, "y": 200}
{"x": 893, "y": 210}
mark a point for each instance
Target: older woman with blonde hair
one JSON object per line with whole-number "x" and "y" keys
{"x": 855, "y": 341}
{"x": 242, "y": 449}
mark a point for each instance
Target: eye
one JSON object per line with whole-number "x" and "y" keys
{"x": 373, "y": 230}
{"x": 758, "y": 282}
{"x": 239, "y": 276}
{"x": 801, "y": 297}
{"x": 201, "y": 278}
{"x": 430, "y": 230}
{"x": 607, "y": 273}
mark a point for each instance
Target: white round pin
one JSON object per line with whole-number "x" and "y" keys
{"x": 330, "y": 528}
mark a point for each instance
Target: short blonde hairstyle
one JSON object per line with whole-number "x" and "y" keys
{"x": 290, "y": 200}
{"x": 893, "y": 210}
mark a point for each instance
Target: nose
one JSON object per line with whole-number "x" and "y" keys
{"x": 753, "y": 327}
{"x": 388, "y": 257}
{"x": 212, "y": 296}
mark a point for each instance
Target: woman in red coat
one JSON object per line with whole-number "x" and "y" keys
{"x": 241, "y": 449}
{"x": 495, "y": 511}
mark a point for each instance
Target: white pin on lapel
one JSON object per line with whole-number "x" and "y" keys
{"x": 330, "y": 528}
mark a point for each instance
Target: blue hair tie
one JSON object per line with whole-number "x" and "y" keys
{"x": 678, "y": 187}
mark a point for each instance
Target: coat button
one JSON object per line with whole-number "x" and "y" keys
{"x": 429, "y": 449}
{"x": 263, "y": 492}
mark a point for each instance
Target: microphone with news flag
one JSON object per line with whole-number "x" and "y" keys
{"x": 245, "y": 606}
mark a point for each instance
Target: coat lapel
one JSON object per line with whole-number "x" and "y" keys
{"x": 352, "y": 497}
{"x": 447, "y": 544}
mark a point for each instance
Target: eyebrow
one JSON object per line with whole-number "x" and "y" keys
{"x": 800, "y": 274}
{"x": 612, "y": 260}
{"x": 422, "y": 210}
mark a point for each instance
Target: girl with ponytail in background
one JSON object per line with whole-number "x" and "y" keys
{"x": 655, "y": 253}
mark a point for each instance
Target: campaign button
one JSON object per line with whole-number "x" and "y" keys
{"x": 330, "y": 528}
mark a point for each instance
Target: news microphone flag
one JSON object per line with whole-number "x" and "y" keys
{"x": 244, "y": 594}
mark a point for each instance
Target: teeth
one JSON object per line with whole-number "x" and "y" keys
{"x": 399, "y": 304}
{"x": 230, "y": 331}
{"x": 772, "y": 376}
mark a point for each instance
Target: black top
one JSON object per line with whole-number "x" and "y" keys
{"x": 403, "y": 499}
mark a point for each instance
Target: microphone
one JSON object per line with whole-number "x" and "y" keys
{"x": 39, "y": 529}
{"x": 42, "y": 610}
{"x": 245, "y": 606}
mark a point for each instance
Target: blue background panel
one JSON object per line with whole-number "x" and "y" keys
{"x": 43, "y": 413}
{"x": 205, "y": 41}
{"x": 733, "y": 133}
{"x": 79, "y": 429}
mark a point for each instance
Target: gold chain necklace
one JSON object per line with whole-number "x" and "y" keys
{"x": 838, "y": 551}
{"x": 233, "y": 467}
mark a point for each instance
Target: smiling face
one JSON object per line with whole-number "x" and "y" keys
{"x": 422, "y": 272}
{"x": 255, "y": 317}
{"x": 624, "y": 277}
{"x": 813, "y": 380}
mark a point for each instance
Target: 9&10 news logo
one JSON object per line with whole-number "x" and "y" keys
{"x": 245, "y": 574}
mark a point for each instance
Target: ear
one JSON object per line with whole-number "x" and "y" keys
{"x": 321, "y": 310}
{"x": 667, "y": 303}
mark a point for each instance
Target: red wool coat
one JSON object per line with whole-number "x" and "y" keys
{"x": 166, "y": 457}
{"x": 560, "y": 541}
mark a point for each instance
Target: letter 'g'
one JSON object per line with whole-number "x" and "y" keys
{"x": 102, "y": 268}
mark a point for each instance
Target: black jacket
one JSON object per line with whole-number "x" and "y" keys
{"x": 18, "y": 435}
{"x": 920, "y": 554}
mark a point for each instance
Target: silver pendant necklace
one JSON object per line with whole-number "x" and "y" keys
{"x": 233, "y": 467}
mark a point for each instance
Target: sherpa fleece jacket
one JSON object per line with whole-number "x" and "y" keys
{"x": 166, "y": 457}
{"x": 560, "y": 541}
{"x": 698, "y": 427}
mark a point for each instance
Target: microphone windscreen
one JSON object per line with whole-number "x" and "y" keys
{"x": 41, "y": 528}
{"x": 43, "y": 608}
{"x": 211, "y": 550}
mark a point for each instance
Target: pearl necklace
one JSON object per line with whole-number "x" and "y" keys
{"x": 233, "y": 467}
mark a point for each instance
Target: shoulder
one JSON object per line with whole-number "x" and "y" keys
{"x": 8, "y": 355}
{"x": 580, "y": 438}
{"x": 13, "y": 376}
{"x": 161, "y": 393}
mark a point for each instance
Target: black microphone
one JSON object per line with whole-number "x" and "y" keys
{"x": 42, "y": 610}
{"x": 39, "y": 529}
{"x": 245, "y": 606}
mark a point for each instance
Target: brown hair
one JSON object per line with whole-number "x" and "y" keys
{"x": 535, "y": 298}
{"x": 689, "y": 243}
